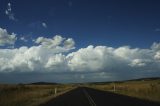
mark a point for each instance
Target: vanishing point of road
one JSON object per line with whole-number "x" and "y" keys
{"x": 84, "y": 96}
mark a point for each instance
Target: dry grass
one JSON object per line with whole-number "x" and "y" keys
{"x": 28, "y": 95}
{"x": 149, "y": 90}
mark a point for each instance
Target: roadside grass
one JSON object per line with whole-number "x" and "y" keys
{"x": 29, "y": 95}
{"x": 149, "y": 90}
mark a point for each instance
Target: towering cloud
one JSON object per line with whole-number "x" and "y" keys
{"x": 52, "y": 55}
{"x": 49, "y": 56}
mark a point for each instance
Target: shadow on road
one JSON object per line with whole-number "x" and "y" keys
{"x": 77, "y": 97}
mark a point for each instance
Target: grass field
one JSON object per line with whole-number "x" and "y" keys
{"x": 144, "y": 89}
{"x": 29, "y": 95}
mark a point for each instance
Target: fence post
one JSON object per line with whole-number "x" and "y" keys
{"x": 114, "y": 87}
{"x": 55, "y": 91}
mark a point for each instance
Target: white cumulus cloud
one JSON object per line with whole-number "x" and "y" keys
{"x": 6, "y": 38}
{"x": 89, "y": 59}
{"x": 56, "y": 42}
{"x": 138, "y": 63}
{"x": 69, "y": 43}
{"x": 53, "y": 55}
{"x": 47, "y": 56}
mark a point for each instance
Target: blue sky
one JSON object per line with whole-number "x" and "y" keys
{"x": 104, "y": 22}
{"x": 109, "y": 23}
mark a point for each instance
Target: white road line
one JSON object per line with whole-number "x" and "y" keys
{"x": 92, "y": 103}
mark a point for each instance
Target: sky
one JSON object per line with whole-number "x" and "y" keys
{"x": 79, "y": 40}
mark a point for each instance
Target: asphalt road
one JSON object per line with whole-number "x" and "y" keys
{"x": 83, "y": 96}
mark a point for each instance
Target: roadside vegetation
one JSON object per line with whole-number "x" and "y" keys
{"x": 29, "y": 95}
{"x": 143, "y": 89}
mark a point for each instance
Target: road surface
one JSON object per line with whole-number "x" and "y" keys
{"x": 84, "y": 96}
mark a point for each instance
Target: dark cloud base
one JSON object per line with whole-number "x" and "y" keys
{"x": 73, "y": 77}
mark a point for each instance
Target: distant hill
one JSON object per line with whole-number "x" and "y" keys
{"x": 43, "y": 83}
{"x": 107, "y": 82}
{"x": 145, "y": 79}
{"x": 139, "y": 79}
